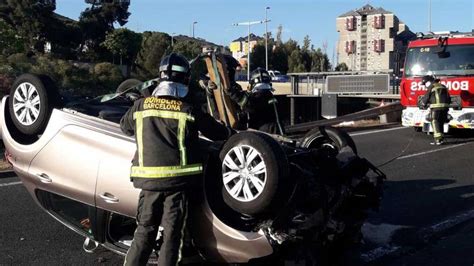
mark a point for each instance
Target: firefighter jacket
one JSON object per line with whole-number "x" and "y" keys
{"x": 437, "y": 96}
{"x": 166, "y": 133}
{"x": 259, "y": 106}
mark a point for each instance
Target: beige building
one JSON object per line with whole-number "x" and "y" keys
{"x": 240, "y": 47}
{"x": 372, "y": 39}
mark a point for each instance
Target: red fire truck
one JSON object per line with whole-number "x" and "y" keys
{"x": 448, "y": 56}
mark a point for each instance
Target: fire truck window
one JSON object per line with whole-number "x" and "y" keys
{"x": 422, "y": 60}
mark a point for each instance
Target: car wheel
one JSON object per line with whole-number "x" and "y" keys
{"x": 328, "y": 138}
{"x": 128, "y": 83}
{"x": 254, "y": 173}
{"x": 31, "y": 101}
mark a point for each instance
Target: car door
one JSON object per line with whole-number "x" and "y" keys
{"x": 66, "y": 172}
{"x": 114, "y": 190}
{"x": 67, "y": 165}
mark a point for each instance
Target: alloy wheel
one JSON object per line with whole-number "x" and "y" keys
{"x": 244, "y": 173}
{"x": 26, "y": 103}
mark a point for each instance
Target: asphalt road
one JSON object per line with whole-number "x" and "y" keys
{"x": 428, "y": 188}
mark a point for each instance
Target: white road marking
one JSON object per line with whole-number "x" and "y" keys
{"x": 10, "y": 184}
{"x": 451, "y": 222}
{"x": 377, "y": 253}
{"x": 376, "y": 131}
{"x": 380, "y": 234}
{"x": 387, "y": 248}
{"x": 431, "y": 151}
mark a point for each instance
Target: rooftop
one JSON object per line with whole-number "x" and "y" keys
{"x": 253, "y": 37}
{"x": 365, "y": 10}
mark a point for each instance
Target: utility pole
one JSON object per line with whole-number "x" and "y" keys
{"x": 172, "y": 38}
{"x": 429, "y": 16}
{"x": 266, "y": 37}
{"x": 248, "y": 23}
{"x": 194, "y": 23}
{"x": 323, "y": 59}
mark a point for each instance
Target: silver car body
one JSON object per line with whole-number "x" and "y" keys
{"x": 87, "y": 159}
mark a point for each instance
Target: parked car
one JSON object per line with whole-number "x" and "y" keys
{"x": 277, "y": 76}
{"x": 310, "y": 193}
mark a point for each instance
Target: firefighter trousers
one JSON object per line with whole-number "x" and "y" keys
{"x": 155, "y": 208}
{"x": 439, "y": 117}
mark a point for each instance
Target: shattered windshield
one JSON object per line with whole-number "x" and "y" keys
{"x": 458, "y": 61}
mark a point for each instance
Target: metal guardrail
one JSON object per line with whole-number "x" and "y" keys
{"x": 369, "y": 113}
{"x": 354, "y": 82}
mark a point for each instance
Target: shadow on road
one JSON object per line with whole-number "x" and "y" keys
{"x": 422, "y": 202}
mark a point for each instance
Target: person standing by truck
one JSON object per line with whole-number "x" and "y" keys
{"x": 167, "y": 162}
{"x": 437, "y": 98}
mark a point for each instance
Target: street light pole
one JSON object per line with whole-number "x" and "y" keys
{"x": 266, "y": 37}
{"x": 194, "y": 23}
{"x": 429, "y": 17}
{"x": 172, "y": 38}
{"x": 248, "y": 23}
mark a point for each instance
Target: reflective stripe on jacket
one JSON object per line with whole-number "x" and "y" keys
{"x": 166, "y": 133}
{"x": 437, "y": 96}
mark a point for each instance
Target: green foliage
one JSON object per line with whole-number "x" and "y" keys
{"x": 154, "y": 46}
{"x": 257, "y": 57}
{"x": 29, "y": 19}
{"x": 279, "y": 59}
{"x": 77, "y": 78}
{"x": 10, "y": 43}
{"x": 95, "y": 22}
{"x": 279, "y": 34}
{"x": 341, "y": 67}
{"x": 191, "y": 49}
{"x": 123, "y": 42}
{"x": 107, "y": 76}
{"x": 295, "y": 62}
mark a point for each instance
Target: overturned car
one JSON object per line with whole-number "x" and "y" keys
{"x": 261, "y": 194}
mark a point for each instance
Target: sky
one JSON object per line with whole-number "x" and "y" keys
{"x": 315, "y": 18}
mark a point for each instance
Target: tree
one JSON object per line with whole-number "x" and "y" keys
{"x": 306, "y": 43}
{"x": 154, "y": 46}
{"x": 30, "y": 19}
{"x": 290, "y": 46}
{"x": 295, "y": 62}
{"x": 257, "y": 57}
{"x": 279, "y": 59}
{"x": 123, "y": 42}
{"x": 341, "y": 67}
{"x": 10, "y": 43}
{"x": 279, "y": 34}
{"x": 95, "y": 22}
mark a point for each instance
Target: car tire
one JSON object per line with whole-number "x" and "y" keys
{"x": 328, "y": 138}
{"x": 254, "y": 173}
{"x": 128, "y": 83}
{"x": 32, "y": 99}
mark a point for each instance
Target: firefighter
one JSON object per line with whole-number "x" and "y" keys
{"x": 258, "y": 103}
{"x": 167, "y": 162}
{"x": 437, "y": 98}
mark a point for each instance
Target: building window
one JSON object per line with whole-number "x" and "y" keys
{"x": 351, "y": 23}
{"x": 350, "y": 47}
{"x": 379, "y": 46}
{"x": 379, "y": 22}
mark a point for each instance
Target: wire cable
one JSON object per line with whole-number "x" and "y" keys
{"x": 401, "y": 153}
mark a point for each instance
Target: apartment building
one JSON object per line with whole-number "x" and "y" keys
{"x": 372, "y": 39}
{"x": 240, "y": 47}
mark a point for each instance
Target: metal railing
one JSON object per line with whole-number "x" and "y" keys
{"x": 315, "y": 83}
